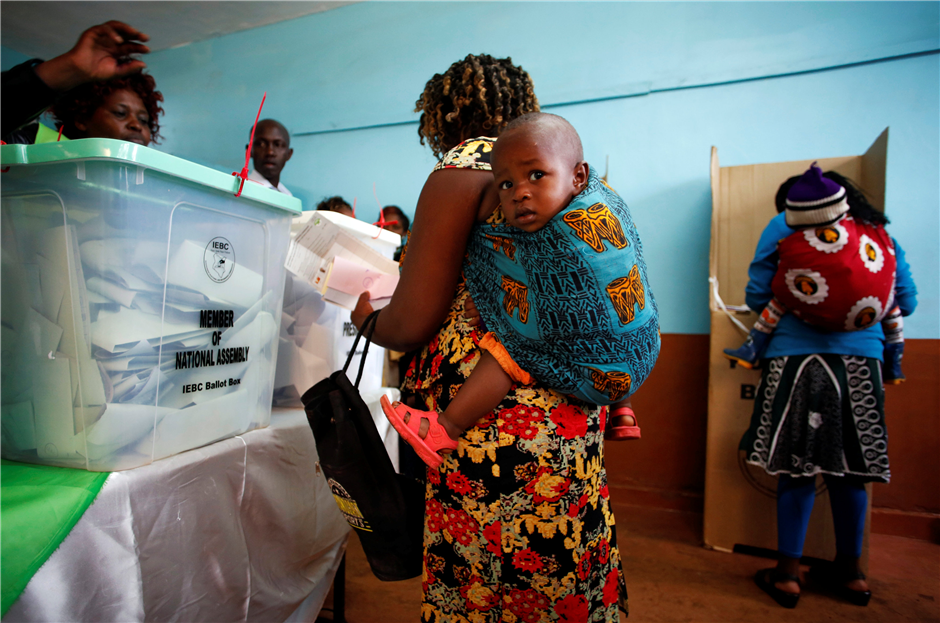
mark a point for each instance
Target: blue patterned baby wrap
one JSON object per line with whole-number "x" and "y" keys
{"x": 571, "y": 302}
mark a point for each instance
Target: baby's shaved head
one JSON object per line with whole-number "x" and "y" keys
{"x": 538, "y": 166}
{"x": 543, "y": 126}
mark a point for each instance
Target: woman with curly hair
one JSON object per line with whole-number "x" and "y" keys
{"x": 126, "y": 108}
{"x": 336, "y": 204}
{"x": 103, "y": 52}
{"x": 518, "y": 522}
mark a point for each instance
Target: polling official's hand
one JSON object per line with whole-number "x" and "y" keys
{"x": 101, "y": 53}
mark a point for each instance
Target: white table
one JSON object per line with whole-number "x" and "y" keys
{"x": 244, "y": 529}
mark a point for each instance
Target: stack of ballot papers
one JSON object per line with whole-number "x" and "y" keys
{"x": 336, "y": 260}
{"x": 326, "y": 252}
{"x": 118, "y": 351}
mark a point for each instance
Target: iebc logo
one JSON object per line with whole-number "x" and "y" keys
{"x": 219, "y": 259}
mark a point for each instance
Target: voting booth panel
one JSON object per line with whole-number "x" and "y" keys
{"x": 140, "y": 305}
{"x": 316, "y": 331}
{"x": 740, "y": 499}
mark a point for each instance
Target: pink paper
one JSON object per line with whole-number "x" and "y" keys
{"x": 351, "y": 278}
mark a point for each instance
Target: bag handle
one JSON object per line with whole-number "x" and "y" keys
{"x": 368, "y": 327}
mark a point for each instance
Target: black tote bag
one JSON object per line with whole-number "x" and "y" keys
{"x": 385, "y": 509}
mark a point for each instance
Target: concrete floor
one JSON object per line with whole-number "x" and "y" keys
{"x": 671, "y": 577}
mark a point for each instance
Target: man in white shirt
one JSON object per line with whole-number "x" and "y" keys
{"x": 269, "y": 153}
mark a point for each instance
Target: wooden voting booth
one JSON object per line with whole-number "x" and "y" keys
{"x": 740, "y": 499}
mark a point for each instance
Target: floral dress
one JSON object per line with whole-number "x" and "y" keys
{"x": 518, "y": 523}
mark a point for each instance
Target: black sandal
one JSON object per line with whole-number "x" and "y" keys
{"x": 835, "y": 579}
{"x": 766, "y": 579}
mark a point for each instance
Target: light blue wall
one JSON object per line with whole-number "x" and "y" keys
{"x": 9, "y": 58}
{"x": 365, "y": 64}
{"x": 659, "y": 149}
{"x": 651, "y": 85}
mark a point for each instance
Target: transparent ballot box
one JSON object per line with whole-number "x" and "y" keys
{"x": 141, "y": 302}
{"x": 317, "y": 333}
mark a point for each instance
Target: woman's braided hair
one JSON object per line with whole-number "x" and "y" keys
{"x": 477, "y": 96}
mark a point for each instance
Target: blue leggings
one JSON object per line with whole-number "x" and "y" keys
{"x": 795, "y": 498}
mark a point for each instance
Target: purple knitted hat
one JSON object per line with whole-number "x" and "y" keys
{"x": 815, "y": 200}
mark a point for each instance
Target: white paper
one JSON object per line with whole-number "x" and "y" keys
{"x": 44, "y": 335}
{"x": 111, "y": 291}
{"x": 146, "y": 394}
{"x": 52, "y": 404}
{"x": 312, "y": 251}
{"x": 33, "y": 287}
{"x": 143, "y": 259}
{"x": 121, "y": 425}
{"x": 133, "y": 325}
{"x": 175, "y": 314}
{"x": 299, "y": 368}
{"x": 184, "y": 297}
{"x": 196, "y": 340}
{"x": 142, "y": 348}
{"x": 53, "y": 288}
{"x": 306, "y": 264}
{"x": 256, "y": 335}
{"x": 223, "y": 373}
{"x": 346, "y": 301}
{"x": 249, "y": 317}
{"x": 243, "y": 288}
{"x": 91, "y": 384}
{"x": 16, "y": 421}
{"x": 87, "y": 416}
{"x": 74, "y": 376}
{"x": 353, "y": 278}
{"x": 59, "y": 245}
{"x": 202, "y": 424}
{"x": 96, "y": 299}
{"x": 124, "y": 386}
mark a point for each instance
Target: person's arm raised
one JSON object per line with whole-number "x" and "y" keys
{"x": 101, "y": 53}
{"x": 447, "y": 210}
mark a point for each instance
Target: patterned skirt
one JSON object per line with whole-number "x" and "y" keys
{"x": 518, "y": 522}
{"x": 820, "y": 414}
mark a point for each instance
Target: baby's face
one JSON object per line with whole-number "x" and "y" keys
{"x": 534, "y": 180}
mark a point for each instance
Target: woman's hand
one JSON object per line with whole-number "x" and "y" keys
{"x": 101, "y": 53}
{"x": 362, "y": 311}
{"x": 470, "y": 312}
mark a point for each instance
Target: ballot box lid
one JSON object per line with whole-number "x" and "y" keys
{"x": 138, "y": 155}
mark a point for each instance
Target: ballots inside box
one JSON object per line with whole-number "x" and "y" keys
{"x": 140, "y": 304}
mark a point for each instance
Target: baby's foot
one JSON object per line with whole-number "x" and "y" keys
{"x": 623, "y": 420}
{"x": 423, "y": 426}
{"x": 622, "y": 424}
{"x": 452, "y": 431}
{"x": 421, "y": 429}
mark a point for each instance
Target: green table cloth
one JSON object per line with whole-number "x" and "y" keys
{"x": 39, "y": 506}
